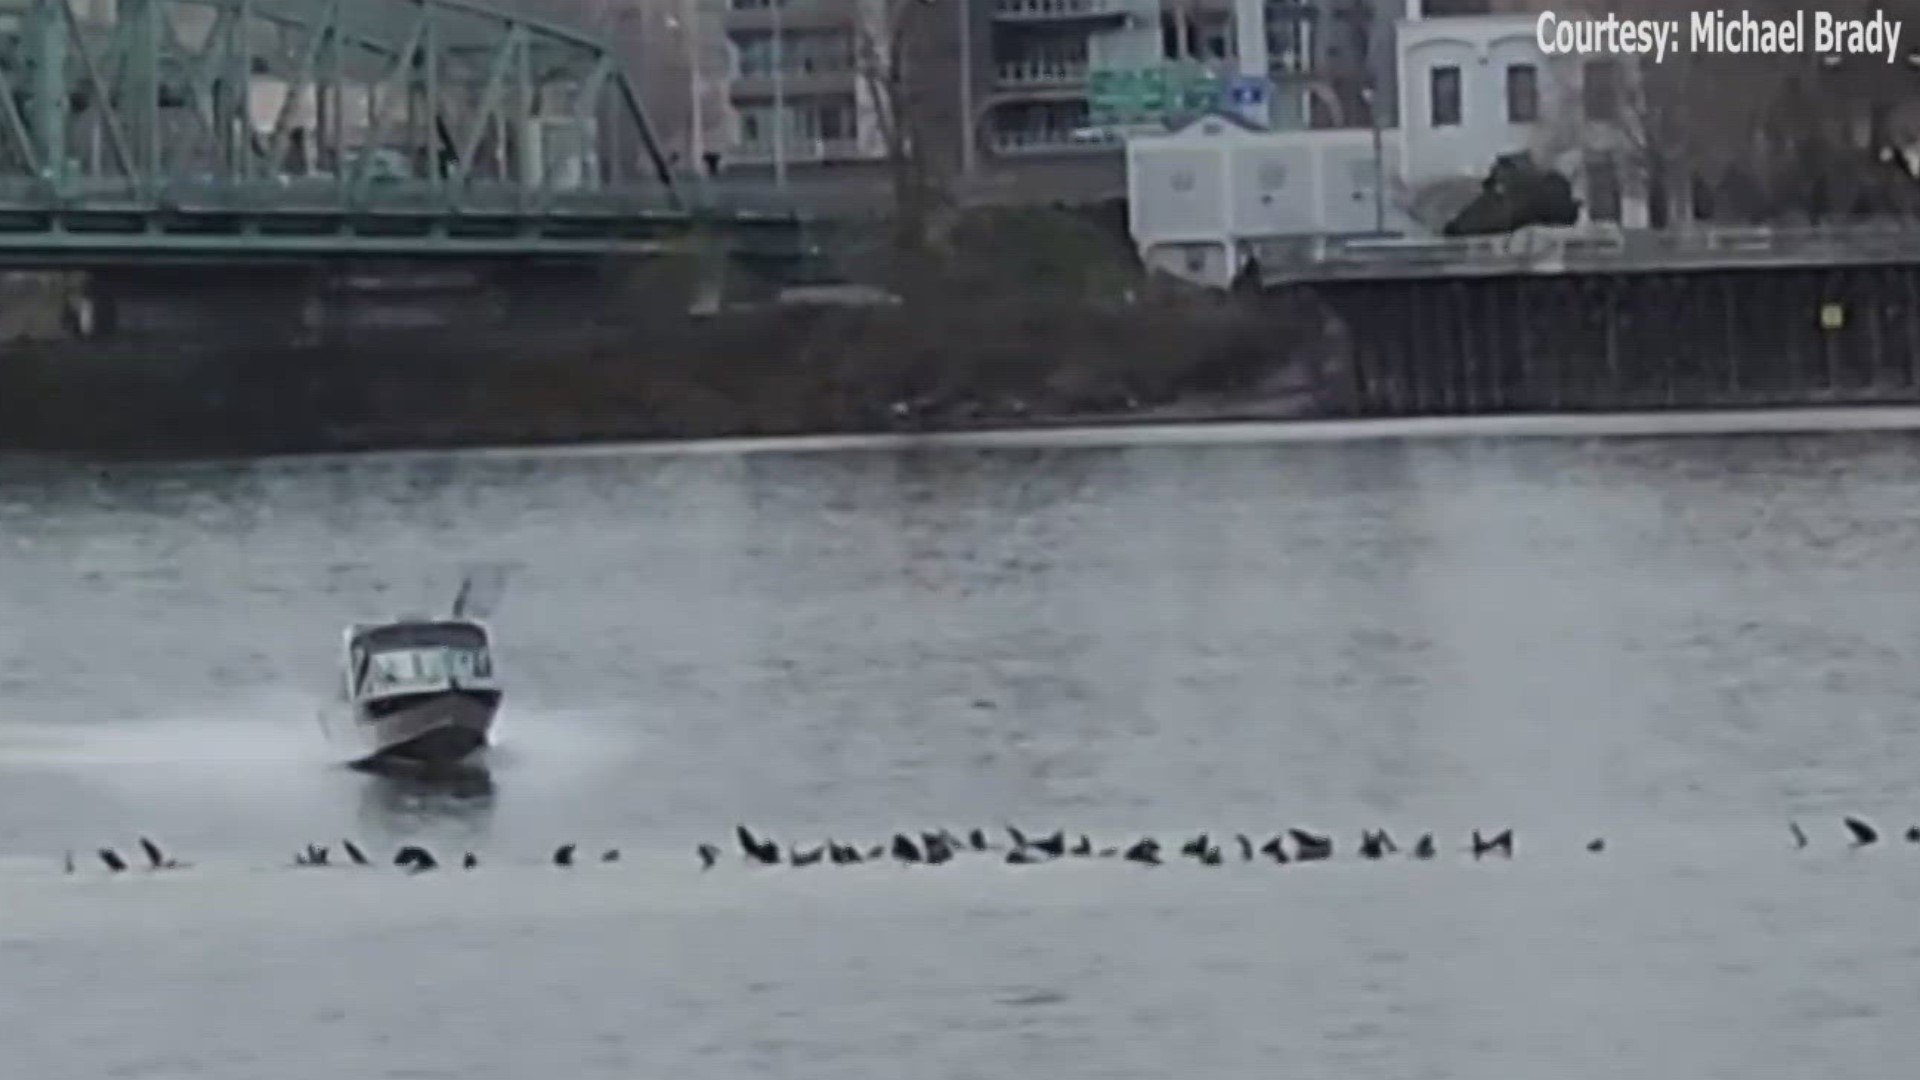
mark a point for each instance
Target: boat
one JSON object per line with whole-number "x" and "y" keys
{"x": 417, "y": 690}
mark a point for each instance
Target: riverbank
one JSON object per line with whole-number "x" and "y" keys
{"x": 1115, "y": 432}
{"x": 972, "y": 363}
{"x": 1296, "y": 403}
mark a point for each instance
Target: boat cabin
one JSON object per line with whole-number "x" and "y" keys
{"x": 423, "y": 657}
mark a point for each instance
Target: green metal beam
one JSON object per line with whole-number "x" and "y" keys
{"x": 234, "y": 91}
{"x": 247, "y": 130}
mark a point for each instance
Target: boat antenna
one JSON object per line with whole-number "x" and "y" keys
{"x": 480, "y": 591}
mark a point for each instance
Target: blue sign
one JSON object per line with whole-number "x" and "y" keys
{"x": 1248, "y": 91}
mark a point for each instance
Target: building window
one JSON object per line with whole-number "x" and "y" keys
{"x": 808, "y": 121}
{"x": 1039, "y": 124}
{"x": 797, "y": 53}
{"x": 753, "y": 54}
{"x": 1523, "y": 94}
{"x": 1290, "y": 46}
{"x": 1216, "y": 41}
{"x": 1600, "y": 89}
{"x": 833, "y": 120}
{"x": 1194, "y": 36}
{"x": 821, "y": 120}
{"x": 1603, "y": 188}
{"x": 1443, "y": 94}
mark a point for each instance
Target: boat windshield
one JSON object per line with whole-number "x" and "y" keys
{"x": 421, "y": 635}
{"x": 418, "y": 656}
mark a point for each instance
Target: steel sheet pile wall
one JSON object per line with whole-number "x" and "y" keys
{"x": 1573, "y": 342}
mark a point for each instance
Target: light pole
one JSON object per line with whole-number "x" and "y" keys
{"x": 1379, "y": 162}
{"x": 696, "y": 87}
{"x": 779, "y": 99}
{"x": 967, "y": 148}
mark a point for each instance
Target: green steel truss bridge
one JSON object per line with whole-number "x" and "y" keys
{"x": 140, "y": 131}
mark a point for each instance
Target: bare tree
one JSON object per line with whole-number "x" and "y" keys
{"x": 906, "y": 60}
{"x": 1790, "y": 134}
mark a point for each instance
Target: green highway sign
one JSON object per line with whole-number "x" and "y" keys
{"x": 1120, "y": 96}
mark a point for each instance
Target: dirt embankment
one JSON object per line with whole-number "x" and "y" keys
{"x": 1057, "y": 336}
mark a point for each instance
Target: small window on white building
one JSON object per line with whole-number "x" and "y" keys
{"x": 1523, "y": 93}
{"x": 1183, "y": 180}
{"x": 1273, "y": 176}
{"x": 1600, "y": 90}
{"x": 1603, "y": 188}
{"x": 1216, "y": 42}
{"x": 1443, "y": 96}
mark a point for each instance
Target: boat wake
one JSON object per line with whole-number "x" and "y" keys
{"x": 560, "y": 743}
{"x": 256, "y": 740}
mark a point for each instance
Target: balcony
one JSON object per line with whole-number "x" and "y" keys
{"x": 792, "y": 15}
{"x": 1054, "y": 11}
{"x": 1040, "y": 75}
{"x": 762, "y": 85}
{"x": 800, "y": 151}
{"x": 1038, "y": 142}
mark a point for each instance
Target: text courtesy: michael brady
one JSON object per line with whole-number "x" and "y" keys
{"x": 1709, "y": 33}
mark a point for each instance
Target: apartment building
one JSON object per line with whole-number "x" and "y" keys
{"x": 795, "y": 89}
{"x": 1019, "y": 83}
{"x": 1046, "y": 51}
{"x": 1038, "y": 66}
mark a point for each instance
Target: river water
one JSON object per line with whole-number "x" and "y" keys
{"x": 1677, "y": 644}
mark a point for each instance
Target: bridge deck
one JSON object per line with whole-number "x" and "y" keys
{"x": 270, "y": 220}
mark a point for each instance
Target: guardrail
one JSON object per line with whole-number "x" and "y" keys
{"x": 1055, "y": 9}
{"x": 1039, "y": 73}
{"x": 1557, "y": 251}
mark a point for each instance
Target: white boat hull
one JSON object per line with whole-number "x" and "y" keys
{"x": 431, "y": 728}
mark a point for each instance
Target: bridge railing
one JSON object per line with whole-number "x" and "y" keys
{"x": 190, "y": 195}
